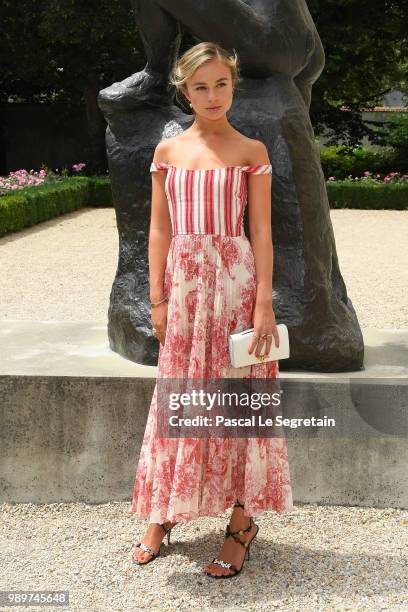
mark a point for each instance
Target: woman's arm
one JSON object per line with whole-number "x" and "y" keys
{"x": 260, "y": 230}
{"x": 160, "y": 228}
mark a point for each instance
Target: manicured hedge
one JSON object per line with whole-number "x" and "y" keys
{"x": 366, "y": 195}
{"x": 100, "y": 193}
{"x": 338, "y": 162}
{"x": 32, "y": 205}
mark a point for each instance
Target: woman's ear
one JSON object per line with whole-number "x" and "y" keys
{"x": 185, "y": 94}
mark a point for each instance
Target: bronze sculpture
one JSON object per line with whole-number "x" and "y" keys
{"x": 281, "y": 56}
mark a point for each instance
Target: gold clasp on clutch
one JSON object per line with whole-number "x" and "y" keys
{"x": 262, "y": 357}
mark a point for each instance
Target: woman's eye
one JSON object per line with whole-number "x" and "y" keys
{"x": 202, "y": 87}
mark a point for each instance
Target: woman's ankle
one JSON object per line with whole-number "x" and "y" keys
{"x": 239, "y": 520}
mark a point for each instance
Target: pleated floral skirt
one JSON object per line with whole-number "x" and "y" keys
{"x": 210, "y": 282}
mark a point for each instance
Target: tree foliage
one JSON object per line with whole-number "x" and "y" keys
{"x": 66, "y": 50}
{"x": 51, "y": 49}
{"x": 366, "y": 48}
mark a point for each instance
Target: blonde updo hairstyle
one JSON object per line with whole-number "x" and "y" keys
{"x": 196, "y": 56}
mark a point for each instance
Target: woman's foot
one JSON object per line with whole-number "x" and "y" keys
{"x": 152, "y": 538}
{"x": 231, "y": 551}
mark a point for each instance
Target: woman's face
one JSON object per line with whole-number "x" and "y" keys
{"x": 210, "y": 89}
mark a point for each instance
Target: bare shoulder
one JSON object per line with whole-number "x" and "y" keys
{"x": 257, "y": 152}
{"x": 162, "y": 152}
{"x": 167, "y": 148}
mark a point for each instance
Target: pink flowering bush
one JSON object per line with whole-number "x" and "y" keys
{"x": 20, "y": 179}
{"x": 371, "y": 191}
{"x": 377, "y": 178}
{"x": 78, "y": 167}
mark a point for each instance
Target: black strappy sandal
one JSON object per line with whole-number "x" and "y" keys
{"x": 246, "y": 545}
{"x": 150, "y": 550}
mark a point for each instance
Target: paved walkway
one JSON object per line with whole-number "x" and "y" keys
{"x": 63, "y": 269}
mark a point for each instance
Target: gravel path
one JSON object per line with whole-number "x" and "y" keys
{"x": 317, "y": 558}
{"x": 63, "y": 269}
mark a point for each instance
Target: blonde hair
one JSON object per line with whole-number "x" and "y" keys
{"x": 195, "y": 57}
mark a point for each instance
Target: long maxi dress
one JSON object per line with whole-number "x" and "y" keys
{"x": 210, "y": 283}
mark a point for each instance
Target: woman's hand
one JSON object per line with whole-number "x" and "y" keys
{"x": 263, "y": 323}
{"x": 159, "y": 321}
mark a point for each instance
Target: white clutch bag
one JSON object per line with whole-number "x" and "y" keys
{"x": 239, "y": 343}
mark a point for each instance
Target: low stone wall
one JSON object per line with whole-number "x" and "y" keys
{"x": 67, "y": 438}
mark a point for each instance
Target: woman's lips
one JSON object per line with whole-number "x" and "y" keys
{"x": 212, "y": 108}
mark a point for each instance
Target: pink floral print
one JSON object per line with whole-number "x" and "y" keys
{"x": 210, "y": 283}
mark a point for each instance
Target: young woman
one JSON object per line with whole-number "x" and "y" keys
{"x": 207, "y": 279}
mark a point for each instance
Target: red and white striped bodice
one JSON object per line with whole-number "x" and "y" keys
{"x": 209, "y": 201}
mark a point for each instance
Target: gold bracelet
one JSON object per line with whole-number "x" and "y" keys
{"x": 154, "y": 304}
